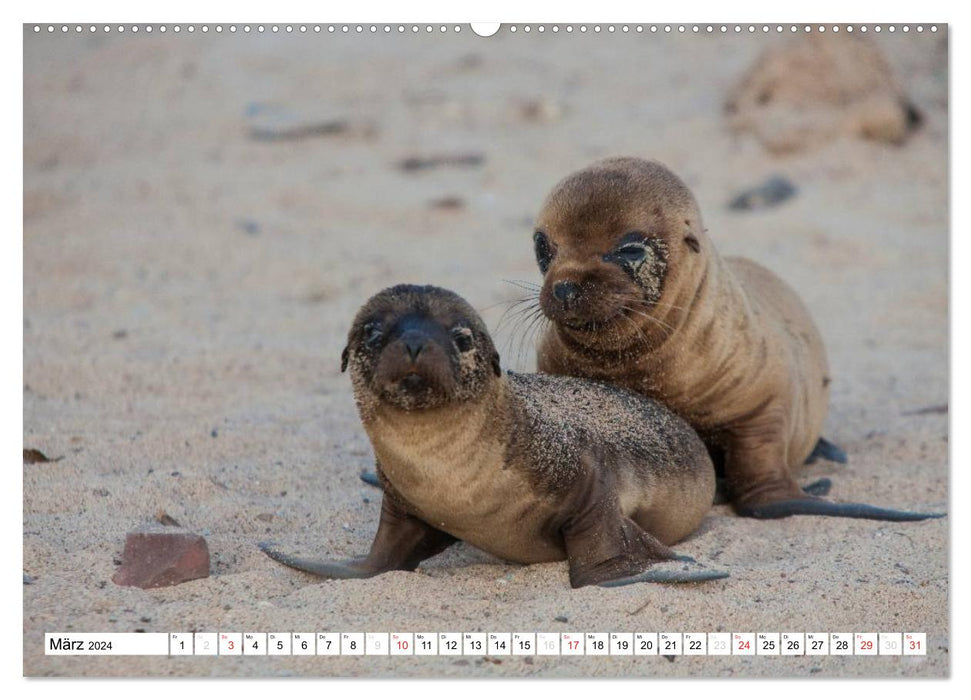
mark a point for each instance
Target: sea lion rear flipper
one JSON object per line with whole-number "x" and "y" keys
{"x": 826, "y": 450}
{"x": 400, "y": 544}
{"x": 817, "y": 506}
{"x": 762, "y": 487}
{"x": 820, "y": 487}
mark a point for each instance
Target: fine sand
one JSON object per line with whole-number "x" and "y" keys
{"x": 203, "y": 214}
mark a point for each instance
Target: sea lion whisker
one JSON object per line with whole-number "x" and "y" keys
{"x": 515, "y": 314}
{"x": 535, "y": 320}
{"x": 525, "y": 284}
{"x": 522, "y": 315}
{"x": 666, "y": 326}
{"x": 514, "y": 308}
{"x": 666, "y": 306}
{"x": 637, "y": 329}
{"x": 508, "y": 302}
{"x": 538, "y": 325}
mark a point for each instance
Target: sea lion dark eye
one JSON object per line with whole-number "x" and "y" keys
{"x": 462, "y": 337}
{"x": 631, "y": 253}
{"x": 544, "y": 252}
{"x": 372, "y": 333}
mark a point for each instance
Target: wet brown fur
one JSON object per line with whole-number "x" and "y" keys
{"x": 728, "y": 345}
{"x": 530, "y": 468}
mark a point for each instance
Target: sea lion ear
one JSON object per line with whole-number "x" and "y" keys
{"x": 344, "y": 357}
{"x": 693, "y": 242}
{"x": 495, "y": 364}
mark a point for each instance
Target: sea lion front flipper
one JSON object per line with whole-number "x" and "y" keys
{"x": 400, "y": 544}
{"x": 605, "y": 547}
{"x": 817, "y": 506}
{"x": 826, "y": 450}
{"x": 347, "y": 568}
{"x": 662, "y": 576}
{"x": 370, "y": 478}
{"x": 373, "y": 478}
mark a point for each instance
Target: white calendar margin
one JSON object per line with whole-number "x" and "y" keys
{"x": 11, "y": 649}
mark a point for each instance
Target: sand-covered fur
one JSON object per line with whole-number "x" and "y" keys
{"x": 529, "y": 468}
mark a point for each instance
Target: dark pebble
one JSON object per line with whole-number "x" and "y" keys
{"x": 249, "y": 227}
{"x": 772, "y": 192}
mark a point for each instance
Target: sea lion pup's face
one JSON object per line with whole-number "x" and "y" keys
{"x": 611, "y": 241}
{"x": 417, "y": 348}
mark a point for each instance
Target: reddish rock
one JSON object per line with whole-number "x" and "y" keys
{"x": 157, "y": 556}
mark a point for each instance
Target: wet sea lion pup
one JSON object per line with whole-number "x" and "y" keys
{"x": 530, "y": 468}
{"x": 638, "y": 297}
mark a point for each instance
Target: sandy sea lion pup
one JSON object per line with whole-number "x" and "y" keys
{"x": 638, "y": 297}
{"x": 530, "y": 468}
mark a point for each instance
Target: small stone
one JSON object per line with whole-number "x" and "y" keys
{"x": 32, "y": 456}
{"x": 817, "y": 88}
{"x": 770, "y": 193}
{"x": 276, "y": 123}
{"x": 164, "y": 518}
{"x": 248, "y": 226}
{"x": 541, "y": 111}
{"x": 157, "y": 556}
{"x": 460, "y": 160}
{"x": 450, "y": 203}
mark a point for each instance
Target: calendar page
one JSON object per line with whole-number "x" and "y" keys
{"x": 682, "y": 412}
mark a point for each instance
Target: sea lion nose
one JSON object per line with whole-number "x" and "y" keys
{"x": 566, "y": 292}
{"x": 414, "y": 343}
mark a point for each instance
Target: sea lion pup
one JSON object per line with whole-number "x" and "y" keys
{"x": 638, "y": 297}
{"x": 530, "y": 468}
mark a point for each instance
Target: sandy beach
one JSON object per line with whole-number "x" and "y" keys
{"x": 204, "y": 214}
